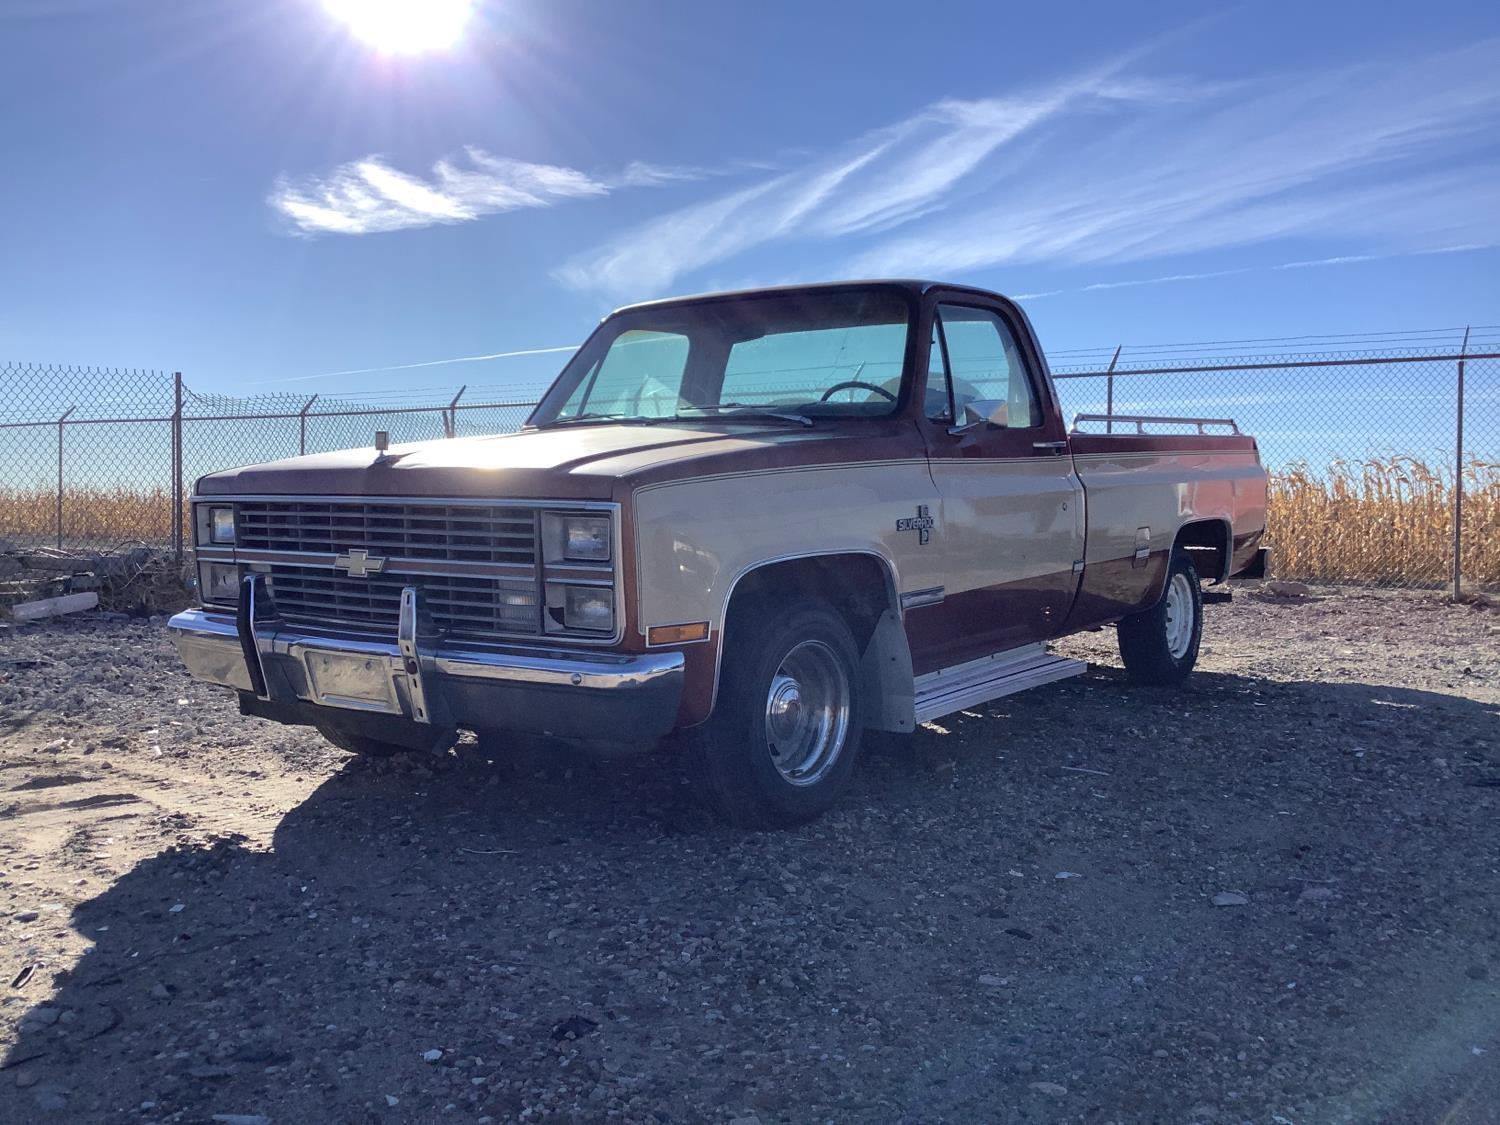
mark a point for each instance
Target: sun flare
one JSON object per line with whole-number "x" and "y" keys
{"x": 404, "y": 27}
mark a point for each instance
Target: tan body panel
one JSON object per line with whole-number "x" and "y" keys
{"x": 1162, "y": 490}
{"x": 696, "y": 538}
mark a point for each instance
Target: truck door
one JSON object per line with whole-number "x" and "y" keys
{"x": 1011, "y": 520}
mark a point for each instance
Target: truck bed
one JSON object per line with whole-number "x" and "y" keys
{"x": 1140, "y": 486}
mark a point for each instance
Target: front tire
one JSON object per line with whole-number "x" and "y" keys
{"x": 360, "y": 744}
{"x": 781, "y": 744}
{"x": 1160, "y": 645}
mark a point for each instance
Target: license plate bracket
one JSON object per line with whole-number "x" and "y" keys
{"x": 351, "y": 680}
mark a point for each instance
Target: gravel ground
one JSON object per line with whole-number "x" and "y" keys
{"x": 1269, "y": 897}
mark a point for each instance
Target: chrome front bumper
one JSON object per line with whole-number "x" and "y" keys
{"x": 289, "y": 672}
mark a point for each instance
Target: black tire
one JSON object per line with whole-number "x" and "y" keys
{"x": 360, "y": 744}
{"x": 1152, "y": 643}
{"x": 734, "y": 764}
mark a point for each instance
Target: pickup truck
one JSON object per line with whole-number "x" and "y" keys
{"x": 761, "y": 522}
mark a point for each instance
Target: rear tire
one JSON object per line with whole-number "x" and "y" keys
{"x": 781, "y": 744}
{"x": 1160, "y": 645}
{"x": 360, "y": 744}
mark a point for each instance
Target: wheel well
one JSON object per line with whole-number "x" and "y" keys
{"x": 862, "y": 589}
{"x": 858, "y": 586}
{"x": 1208, "y": 540}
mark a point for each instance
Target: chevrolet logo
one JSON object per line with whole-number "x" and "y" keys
{"x": 359, "y": 564}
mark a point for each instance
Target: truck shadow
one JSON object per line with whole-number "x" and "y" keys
{"x": 583, "y": 939}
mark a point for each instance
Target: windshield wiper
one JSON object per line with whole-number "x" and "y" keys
{"x": 749, "y": 411}
{"x": 599, "y": 416}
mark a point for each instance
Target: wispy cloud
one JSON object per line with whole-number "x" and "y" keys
{"x": 884, "y": 179}
{"x": 1339, "y": 260}
{"x": 429, "y": 363}
{"x": 368, "y": 196}
{"x": 1384, "y": 153}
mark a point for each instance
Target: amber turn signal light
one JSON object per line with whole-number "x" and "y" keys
{"x": 677, "y": 634}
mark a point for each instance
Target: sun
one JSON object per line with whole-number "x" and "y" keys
{"x": 403, "y": 27}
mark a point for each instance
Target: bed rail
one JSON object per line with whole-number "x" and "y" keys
{"x": 1137, "y": 423}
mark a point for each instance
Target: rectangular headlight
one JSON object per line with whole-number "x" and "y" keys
{"x": 589, "y": 607}
{"x": 586, "y": 538}
{"x": 219, "y": 583}
{"x": 221, "y": 525}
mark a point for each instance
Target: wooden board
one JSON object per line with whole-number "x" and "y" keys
{"x": 52, "y": 607}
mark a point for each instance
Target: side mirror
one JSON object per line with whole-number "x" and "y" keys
{"x": 992, "y": 411}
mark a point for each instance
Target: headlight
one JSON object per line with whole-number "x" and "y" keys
{"x": 589, "y": 607}
{"x": 586, "y": 538}
{"x": 219, "y": 583}
{"x": 221, "y": 525}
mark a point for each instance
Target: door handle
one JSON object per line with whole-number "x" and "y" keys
{"x": 1050, "y": 446}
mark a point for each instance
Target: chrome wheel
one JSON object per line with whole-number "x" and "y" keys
{"x": 1179, "y": 616}
{"x": 807, "y": 713}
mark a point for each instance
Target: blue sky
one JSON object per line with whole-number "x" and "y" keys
{"x": 248, "y": 193}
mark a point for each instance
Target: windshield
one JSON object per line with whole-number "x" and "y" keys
{"x": 795, "y": 356}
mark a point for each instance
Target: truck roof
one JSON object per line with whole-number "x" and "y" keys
{"x": 912, "y": 286}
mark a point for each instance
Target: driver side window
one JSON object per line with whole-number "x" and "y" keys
{"x": 980, "y": 362}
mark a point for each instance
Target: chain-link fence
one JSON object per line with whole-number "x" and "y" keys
{"x": 97, "y": 457}
{"x": 1384, "y": 451}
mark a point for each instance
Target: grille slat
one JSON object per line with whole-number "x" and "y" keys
{"x": 462, "y": 607}
{"x": 468, "y": 607}
{"x": 481, "y": 533}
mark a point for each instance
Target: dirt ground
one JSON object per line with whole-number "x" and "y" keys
{"x": 1012, "y": 917}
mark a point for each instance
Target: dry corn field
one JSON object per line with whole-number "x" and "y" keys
{"x": 89, "y": 515}
{"x": 1385, "y": 522}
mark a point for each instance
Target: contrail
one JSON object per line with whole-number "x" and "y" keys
{"x": 427, "y": 363}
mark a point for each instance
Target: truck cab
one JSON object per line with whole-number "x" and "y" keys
{"x": 761, "y": 522}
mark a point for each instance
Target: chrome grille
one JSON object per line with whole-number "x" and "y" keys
{"x": 447, "y": 532}
{"x": 461, "y": 607}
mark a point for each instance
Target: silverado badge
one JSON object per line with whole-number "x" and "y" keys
{"x": 921, "y": 523}
{"x": 359, "y": 564}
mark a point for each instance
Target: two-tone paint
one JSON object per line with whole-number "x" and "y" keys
{"x": 982, "y": 539}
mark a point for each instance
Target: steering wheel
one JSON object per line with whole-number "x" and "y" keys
{"x": 855, "y": 384}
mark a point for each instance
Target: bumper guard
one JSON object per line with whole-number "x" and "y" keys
{"x": 299, "y": 675}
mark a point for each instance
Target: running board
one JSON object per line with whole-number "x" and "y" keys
{"x": 991, "y": 677}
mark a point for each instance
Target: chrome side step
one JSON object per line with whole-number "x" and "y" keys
{"x": 991, "y": 677}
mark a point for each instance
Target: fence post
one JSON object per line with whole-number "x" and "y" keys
{"x": 450, "y": 416}
{"x": 302, "y": 425}
{"x": 59, "y": 514}
{"x": 1109, "y": 391}
{"x": 177, "y": 467}
{"x": 1458, "y": 478}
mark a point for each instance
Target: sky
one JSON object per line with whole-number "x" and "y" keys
{"x": 260, "y": 197}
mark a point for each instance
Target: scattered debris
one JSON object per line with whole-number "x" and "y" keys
{"x": 54, "y": 607}
{"x": 1285, "y": 588}
{"x": 42, "y": 582}
{"x": 574, "y": 1027}
{"x": 1051, "y": 1089}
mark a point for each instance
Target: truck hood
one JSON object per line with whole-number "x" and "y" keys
{"x": 570, "y": 462}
